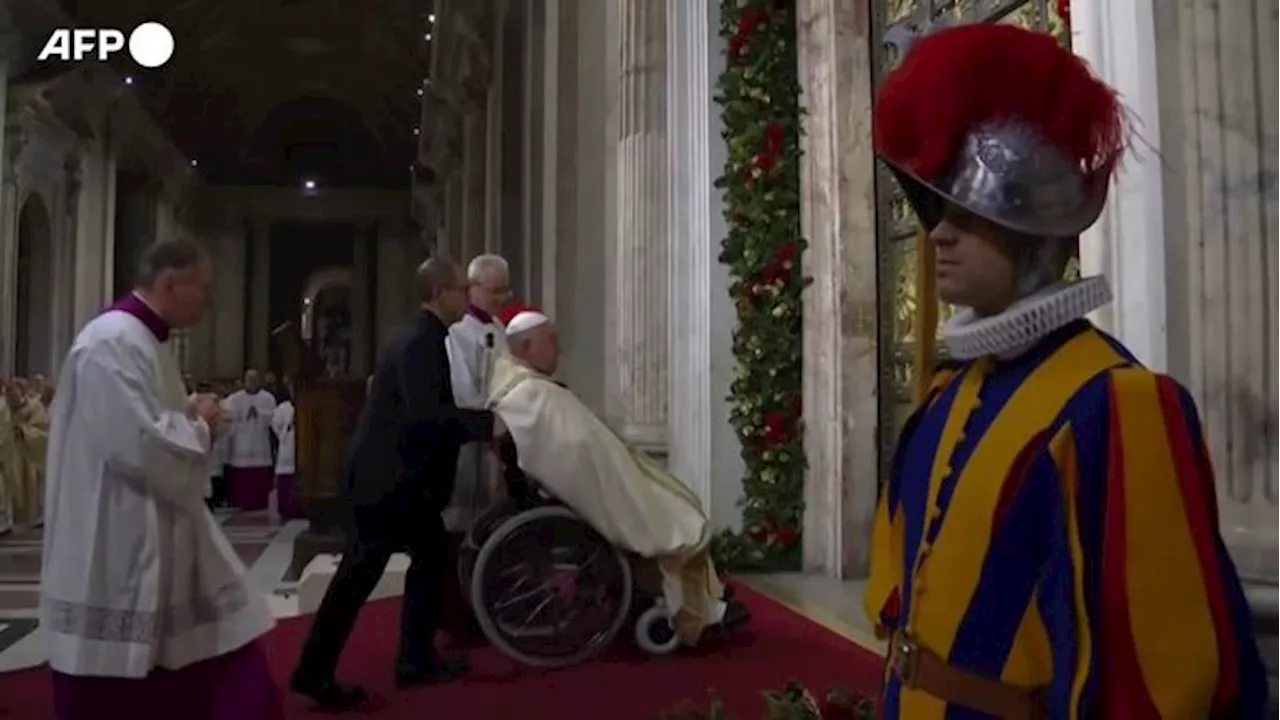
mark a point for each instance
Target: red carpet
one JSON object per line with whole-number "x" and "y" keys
{"x": 624, "y": 685}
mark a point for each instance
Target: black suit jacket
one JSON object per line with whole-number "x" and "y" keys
{"x": 405, "y": 446}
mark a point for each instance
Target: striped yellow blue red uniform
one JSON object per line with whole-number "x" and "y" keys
{"x": 1051, "y": 522}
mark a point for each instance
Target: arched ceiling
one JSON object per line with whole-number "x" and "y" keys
{"x": 271, "y": 91}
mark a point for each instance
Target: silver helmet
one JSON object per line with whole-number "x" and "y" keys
{"x": 1007, "y": 173}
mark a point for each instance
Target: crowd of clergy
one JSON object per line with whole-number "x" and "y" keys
{"x": 24, "y": 434}
{"x": 251, "y": 465}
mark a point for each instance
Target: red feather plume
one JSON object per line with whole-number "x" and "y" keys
{"x": 955, "y": 79}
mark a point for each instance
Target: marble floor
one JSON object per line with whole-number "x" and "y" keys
{"x": 263, "y": 543}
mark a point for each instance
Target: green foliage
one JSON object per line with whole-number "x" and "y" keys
{"x": 792, "y": 702}
{"x": 758, "y": 95}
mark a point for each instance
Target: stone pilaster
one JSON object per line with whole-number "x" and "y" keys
{"x": 259, "y": 330}
{"x": 838, "y": 217}
{"x": 703, "y": 449}
{"x": 471, "y": 229}
{"x": 494, "y": 110}
{"x": 637, "y": 393}
{"x": 1128, "y": 242}
{"x": 361, "y": 289}
{"x": 66, "y": 249}
{"x": 12, "y": 145}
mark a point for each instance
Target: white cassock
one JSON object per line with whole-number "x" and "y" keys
{"x": 217, "y": 463}
{"x": 618, "y": 490}
{"x": 250, "y": 434}
{"x": 282, "y": 426}
{"x": 252, "y": 473}
{"x": 473, "y": 343}
{"x": 136, "y": 572}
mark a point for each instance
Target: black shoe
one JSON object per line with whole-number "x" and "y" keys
{"x": 329, "y": 694}
{"x": 437, "y": 671}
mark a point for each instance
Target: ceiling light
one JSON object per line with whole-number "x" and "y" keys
{"x": 431, "y": 18}
{"x": 421, "y": 92}
{"x": 427, "y": 37}
{"x": 416, "y": 131}
{"x": 128, "y": 79}
{"x": 194, "y": 163}
{"x": 309, "y": 185}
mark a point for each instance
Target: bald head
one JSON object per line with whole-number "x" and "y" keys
{"x": 442, "y": 288}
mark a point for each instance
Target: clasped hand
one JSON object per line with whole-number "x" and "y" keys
{"x": 205, "y": 406}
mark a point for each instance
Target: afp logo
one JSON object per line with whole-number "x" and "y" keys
{"x": 150, "y": 44}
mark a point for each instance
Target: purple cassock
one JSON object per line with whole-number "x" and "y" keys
{"x": 235, "y": 686}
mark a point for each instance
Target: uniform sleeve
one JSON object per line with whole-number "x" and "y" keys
{"x": 1145, "y": 613}
{"x": 882, "y": 601}
{"x": 163, "y": 451}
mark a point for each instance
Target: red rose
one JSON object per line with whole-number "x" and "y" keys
{"x": 778, "y": 429}
{"x": 786, "y": 537}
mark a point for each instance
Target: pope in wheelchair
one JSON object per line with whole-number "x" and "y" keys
{"x": 594, "y": 536}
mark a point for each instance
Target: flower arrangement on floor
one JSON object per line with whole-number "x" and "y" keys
{"x": 758, "y": 95}
{"x": 793, "y": 702}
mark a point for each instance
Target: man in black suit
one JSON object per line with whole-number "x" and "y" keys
{"x": 400, "y": 470}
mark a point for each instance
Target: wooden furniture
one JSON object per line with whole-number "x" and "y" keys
{"x": 325, "y": 415}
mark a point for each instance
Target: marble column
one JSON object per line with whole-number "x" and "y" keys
{"x": 838, "y": 217}
{"x": 361, "y": 289}
{"x": 259, "y": 330}
{"x": 493, "y": 135}
{"x": 10, "y": 196}
{"x": 108, "y": 210}
{"x": 1128, "y": 243}
{"x": 587, "y": 184}
{"x": 637, "y": 393}
{"x": 556, "y": 142}
{"x": 471, "y": 229}
{"x": 229, "y": 296}
{"x": 394, "y": 293}
{"x": 530, "y": 282}
{"x": 63, "y": 326}
{"x": 1219, "y": 121}
{"x": 91, "y": 291}
{"x": 702, "y": 446}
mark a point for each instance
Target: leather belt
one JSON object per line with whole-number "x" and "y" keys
{"x": 921, "y": 669}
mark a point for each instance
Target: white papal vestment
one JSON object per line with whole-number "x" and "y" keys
{"x": 136, "y": 573}
{"x": 619, "y": 491}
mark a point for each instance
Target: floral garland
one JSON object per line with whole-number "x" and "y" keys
{"x": 758, "y": 95}
{"x": 792, "y": 702}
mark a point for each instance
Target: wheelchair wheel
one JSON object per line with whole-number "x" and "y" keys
{"x": 481, "y": 529}
{"x": 654, "y": 633}
{"x": 550, "y": 591}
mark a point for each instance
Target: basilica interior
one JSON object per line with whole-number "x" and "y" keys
{"x": 320, "y": 150}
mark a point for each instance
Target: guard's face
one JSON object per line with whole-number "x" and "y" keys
{"x": 252, "y": 382}
{"x": 974, "y": 264}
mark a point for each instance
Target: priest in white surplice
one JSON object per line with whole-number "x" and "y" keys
{"x": 621, "y": 492}
{"x": 252, "y": 464}
{"x": 473, "y": 343}
{"x": 143, "y": 601}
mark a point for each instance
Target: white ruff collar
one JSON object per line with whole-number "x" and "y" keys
{"x": 1025, "y": 322}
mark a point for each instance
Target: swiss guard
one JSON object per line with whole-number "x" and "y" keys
{"x": 1047, "y": 545}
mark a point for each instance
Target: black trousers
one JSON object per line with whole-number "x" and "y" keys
{"x": 393, "y": 525}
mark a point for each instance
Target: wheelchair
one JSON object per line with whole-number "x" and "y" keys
{"x": 550, "y": 591}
